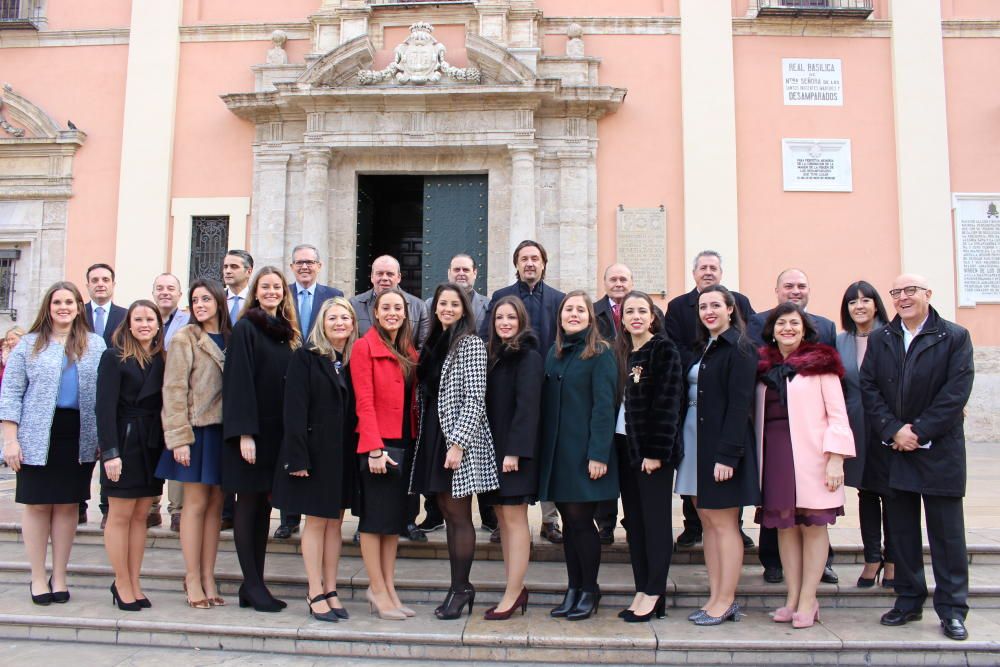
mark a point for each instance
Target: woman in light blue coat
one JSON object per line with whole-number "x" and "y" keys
{"x": 50, "y": 431}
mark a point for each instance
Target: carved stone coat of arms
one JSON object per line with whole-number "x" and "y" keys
{"x": 419, "y": 60}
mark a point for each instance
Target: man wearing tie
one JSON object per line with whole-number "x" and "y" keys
{"x": 237, "y": 267}
{"x": 309, "y": 298}
{"x": 103, "y": 317}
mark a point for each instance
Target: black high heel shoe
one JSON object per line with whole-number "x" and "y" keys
{"x": 327, "y": 616}
{"x": 268, "y": 605}
{"x": 864, "y": 582}
{"x": 659, "y": 609}
{"x": 454, "y": 603}
{"x": 887, "y": 582}
{"x": 566, "y": 606}
{"x": 124, "y": 606}
{"x": 59, "y": 597}
{"x": 44, "y": 600}
{"x": 586, "y": 606}
{"x": 339, "y": 611}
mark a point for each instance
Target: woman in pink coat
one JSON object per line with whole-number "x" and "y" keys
{"x": 803, "y": 436}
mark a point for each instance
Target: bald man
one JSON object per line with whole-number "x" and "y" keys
{"x": 386, "y": 274}
{"x": 793, "y": 285}
{"x": 915, "y": 381}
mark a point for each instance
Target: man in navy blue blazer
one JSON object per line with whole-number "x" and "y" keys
{"x": 792, "y": 285}
{"x": 541, "y": 301}
{"x": 103, "y": 317}
{"x": 308, "y": 296}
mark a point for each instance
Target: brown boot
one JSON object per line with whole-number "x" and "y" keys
{"x": 551, "y": 532}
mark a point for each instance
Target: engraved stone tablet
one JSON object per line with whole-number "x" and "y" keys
{"x": 642, "y": 246}
{"x": 817, "y": 165}
{"x": 977, "y": 221}
{"x": 812, "y": 82}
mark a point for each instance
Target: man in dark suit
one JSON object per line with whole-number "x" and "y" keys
{"x": 308, "y": 295}
{"x": 915, "y": 381}
{"x": 792, "y": 285}
{"x": 541, "y": 301}
{"x": 681, "y": 325}
{"x": 386, "y": 274}
{"x": 103, "y": 317}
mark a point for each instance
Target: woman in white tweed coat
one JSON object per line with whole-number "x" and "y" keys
{"x": 454, "y": 457}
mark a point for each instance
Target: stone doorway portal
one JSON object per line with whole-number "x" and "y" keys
{"x": 423, "y": 221}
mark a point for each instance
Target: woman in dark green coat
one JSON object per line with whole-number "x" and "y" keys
{"x": 578, "y": 467}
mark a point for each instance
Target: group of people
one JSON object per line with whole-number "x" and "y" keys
{"x": 289, "y": 394}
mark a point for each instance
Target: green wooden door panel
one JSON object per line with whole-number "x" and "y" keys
{"x": 454, "y": 221}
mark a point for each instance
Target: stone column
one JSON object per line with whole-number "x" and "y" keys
{"x": 267, "y": 242}
{"x": 575, "y": 228}
{"x": 315, "y": 215}
{"x": 522, "y": 195}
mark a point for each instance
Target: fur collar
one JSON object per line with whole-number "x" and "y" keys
{"x": 274, "y": 328}
{"x": 809, "y": 359}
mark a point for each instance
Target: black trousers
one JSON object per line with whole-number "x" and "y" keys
{"x": 949, "y": 557}
{"x": 767, "y": 549}
{"x": 606, "y": 514}
{"x": 874, "y": 524}
{"x": 647, "y": 521}
{"x": 228, "y": 506}
{"x": 691, "y": 519}
{"x": 581, "y": 545}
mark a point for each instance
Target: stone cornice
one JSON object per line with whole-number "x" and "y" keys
{"x": 17, "y": 39}
{"x": 244, "y": 32}
{"x": 811, "y": 27}
{"x": 971, "y": 28}
{"x": 614, "y": 25}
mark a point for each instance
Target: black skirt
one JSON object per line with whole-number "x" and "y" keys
{"x": 63, "y": 479}
{"x": 429, "y": 474}
{"x": 383, "y": 499}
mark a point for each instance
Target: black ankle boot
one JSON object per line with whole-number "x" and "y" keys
{"x": 586, "y": 606}
{"x": 569, "y": 601}
{"x": 455, "y": 603}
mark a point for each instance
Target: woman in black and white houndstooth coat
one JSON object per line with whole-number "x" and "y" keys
{"x": 454, "y": 458}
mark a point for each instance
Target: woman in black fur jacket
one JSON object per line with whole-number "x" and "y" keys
{"x": 646, "y": 437}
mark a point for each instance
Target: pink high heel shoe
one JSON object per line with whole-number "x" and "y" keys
{"x": 805, "y": 620}
{"x": 783, "y": 615}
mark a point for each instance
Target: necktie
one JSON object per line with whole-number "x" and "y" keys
{"x": 99, "y": 321}
{"x": 234, "y": 312}
{"x": 305, "y": 311}
{"x": 616, "y": 312}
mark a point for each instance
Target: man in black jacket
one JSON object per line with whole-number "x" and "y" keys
{"x": 915, "y": 381}
{"x": 792, "y": 285}
{"x": 541, "y": 301}
{"x": 681, "y": 325}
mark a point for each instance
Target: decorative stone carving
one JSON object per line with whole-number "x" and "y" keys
{"x": 276, "y": 55}
{"x": 419, "y": 60}
{"x": 574, "y": 42}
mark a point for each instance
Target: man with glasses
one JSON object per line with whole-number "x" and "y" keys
{"x": 308, "y": 295}
{"x": 915, "y": 381}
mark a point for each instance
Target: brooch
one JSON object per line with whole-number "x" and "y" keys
{"x": 636, "y": 374}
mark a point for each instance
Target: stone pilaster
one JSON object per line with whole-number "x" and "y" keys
{"x": 575, "y": 227}
{"x": 268, "y": 238}
{"x": 522, "y": 194}
{"x": 315, "y": 213}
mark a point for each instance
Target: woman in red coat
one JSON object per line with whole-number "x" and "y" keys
{"x": 383, "y": 367}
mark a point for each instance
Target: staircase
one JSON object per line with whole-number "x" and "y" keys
{"x": 849, "y": 632}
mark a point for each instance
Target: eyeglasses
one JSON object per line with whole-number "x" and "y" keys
{"x": 305, "y": 262}
{"x": 909, "y": 290}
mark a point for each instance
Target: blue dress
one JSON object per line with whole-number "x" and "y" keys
{"x": 206, "y": 452}
{"x": 687, "y": 471}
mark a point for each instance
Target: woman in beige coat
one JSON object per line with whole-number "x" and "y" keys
{"x": 192, "y": 426}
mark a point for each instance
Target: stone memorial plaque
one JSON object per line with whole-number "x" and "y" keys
{"x": 977, "y": 246}
{"x": 642, "y": 246}
{"x": 817, "y": 165}
{"x": 812, "y": 82}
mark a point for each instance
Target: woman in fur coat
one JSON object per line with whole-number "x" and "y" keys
{"x": 803, "y": 436}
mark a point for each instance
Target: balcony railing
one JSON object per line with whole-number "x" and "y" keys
{"x": 825, "y": 8}
{"x": 21, "y": 14}
{"x": 422, "y": 2}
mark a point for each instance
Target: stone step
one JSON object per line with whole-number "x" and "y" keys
{"x": 541, "y": 550}
{"x": 843, "y": 636}
{"x": 427, "y": 580}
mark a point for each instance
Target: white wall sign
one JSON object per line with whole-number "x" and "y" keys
{"x": 817, "y": 165}
{"x": 812, "y": 82}
{"x": 977, "y": 235}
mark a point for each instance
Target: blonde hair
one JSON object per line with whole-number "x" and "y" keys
{"x": 286, "y": 309}
{"x": 319, "y": 343}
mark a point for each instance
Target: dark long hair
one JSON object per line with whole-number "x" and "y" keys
{"x": 128, "y": 346}
{"x": 466, "y": 326}
{"x": 594, "y": 344}
{"x": 623, "y": 339}
{"x": 214, "y": 289}
{"x": 76, "y": 341}
{"x": 286, "y": 309}
{"x": 496, "y": 344}
{"x": 865, "y": 289}
{"x": 735, "y": 320}
{"x": 809, "y": 333}
{"x": 402, "y": 348}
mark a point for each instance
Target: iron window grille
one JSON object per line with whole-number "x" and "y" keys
{"x": 21, "y": 14}
{"x": 8, "y": 272}
{"x": 818, "y": 8}
{"x": 209, "y": 241}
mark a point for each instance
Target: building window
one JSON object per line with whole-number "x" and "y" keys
{"x": 209, "y": 242}
{"x": 8, "y": 271}
{"x": 824, "y": 8}
{"x": 22, "y": 14}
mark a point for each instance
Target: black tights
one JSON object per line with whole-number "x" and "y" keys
{"x": 251, "y": 520}
{"x": 461, "y": 537}
{"x": 581, "y": 544}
